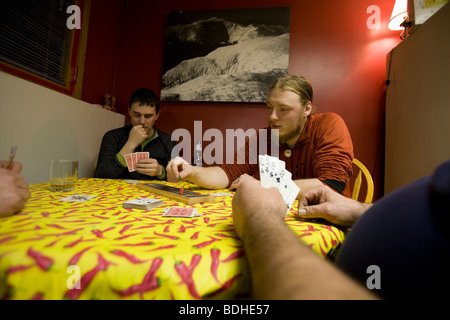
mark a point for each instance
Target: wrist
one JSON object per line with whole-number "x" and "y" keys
{"x": 193, "y": 174}
{"x": 127, "y": 148}
{"x": 362, "y": 208}
{"x": 260, "y": 225}
{"x": 161, "y": 174}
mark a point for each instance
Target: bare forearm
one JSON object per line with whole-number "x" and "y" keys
{"x": 284, "y": 268}
{"x": 127, "y": 149}
{"x": 209, "y": 177}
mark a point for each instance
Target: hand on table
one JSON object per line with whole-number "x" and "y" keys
{"x": 322, "y": 202}
{"x": 235, "y": 184}
{"x": 177, "y": 169}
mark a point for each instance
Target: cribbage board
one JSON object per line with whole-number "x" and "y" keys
{"x": 188, "y": 197}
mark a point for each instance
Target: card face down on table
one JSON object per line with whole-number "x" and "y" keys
{"x": 142, "y": 203}
{"x": 188, "y": 197}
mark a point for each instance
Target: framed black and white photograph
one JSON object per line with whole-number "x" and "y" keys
{"x": 225, "y": 55}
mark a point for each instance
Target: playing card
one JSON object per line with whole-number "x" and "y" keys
{"x": 129, "y": 160}
{"x": 261, "y": 169}
{"x": 134, "y": 160}
{"x": 180, "y": 212}
{"x": 132, "y": 181}
{"x": 270, "y": 168}
{"x": 289, "y": 191}
{"x": 264, "y": 170}
{"x": 77, "y": 198}
{"x": 222, "y": 194}
{"x": 277, "y": 172}
{"x": 274, "y": 174}
{"x": 142, "y": 155}
{"x": 142, "y": 203}
{"x": 280, "y": 177}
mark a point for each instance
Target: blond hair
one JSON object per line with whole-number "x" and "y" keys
{"x": 296, "y": 84}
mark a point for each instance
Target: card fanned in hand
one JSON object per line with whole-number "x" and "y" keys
{"x": 142, "y": 203}
{"x": 133, "y": 158}
{"x": 274, "y": 174}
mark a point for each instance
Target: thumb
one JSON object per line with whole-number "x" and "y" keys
{"x": 310, "y": 212}
{"x": 182, "y": 173}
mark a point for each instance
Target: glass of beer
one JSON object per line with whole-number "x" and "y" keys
{"x": 63, "y": 174}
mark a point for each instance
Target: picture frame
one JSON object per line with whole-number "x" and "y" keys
{"x": 423, "y": 9}
{"x": 225, "y": 55}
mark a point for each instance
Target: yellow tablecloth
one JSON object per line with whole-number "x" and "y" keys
{"x": 96, "y": 249}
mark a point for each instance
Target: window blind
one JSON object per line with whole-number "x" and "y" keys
{"x": 34, "y": 36}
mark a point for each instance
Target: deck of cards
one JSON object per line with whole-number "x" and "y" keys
{"x": 142, "y": 203}
{"x": 78, "y": 198}
{"x": 273, "y": 174}
{"x": 133, "y": 158}
{"x": 181, "y": 212}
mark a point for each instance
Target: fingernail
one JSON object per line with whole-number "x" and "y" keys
{"x": 302, "y": 212}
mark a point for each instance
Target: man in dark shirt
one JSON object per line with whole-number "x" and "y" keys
{"x": 140, "y": 136}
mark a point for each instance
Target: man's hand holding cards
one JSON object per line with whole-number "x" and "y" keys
{"x": 273, "y": 174}
{"x": 133, "y": 158}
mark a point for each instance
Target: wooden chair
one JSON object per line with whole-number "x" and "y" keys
{"x": 358, "y": 181}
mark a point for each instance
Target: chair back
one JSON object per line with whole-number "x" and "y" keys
{"x": 362, "y": 170}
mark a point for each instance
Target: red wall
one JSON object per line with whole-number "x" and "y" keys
{"x": 102, "y": 49}
{"x": 330, "y": 44}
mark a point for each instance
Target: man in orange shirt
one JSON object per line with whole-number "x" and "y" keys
{"x": 317, "y": 149}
